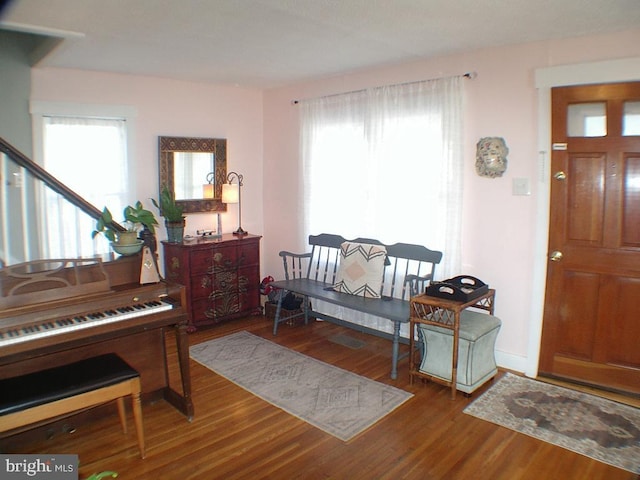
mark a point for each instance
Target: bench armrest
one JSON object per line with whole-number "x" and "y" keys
{"x": 417, "y": 283}
{"x": 285, "y": 253}
{"x": 295, "y": 264}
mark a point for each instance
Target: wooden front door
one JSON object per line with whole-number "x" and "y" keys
{"x": 591, "y": 325}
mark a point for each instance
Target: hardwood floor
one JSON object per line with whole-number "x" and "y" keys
{"x": 236, "y": 435}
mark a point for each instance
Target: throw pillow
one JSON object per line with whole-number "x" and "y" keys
{"x": 361, "y": 269}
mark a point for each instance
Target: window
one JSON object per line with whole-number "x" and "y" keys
{"x": 88, "y": 152}
{"x": 631, "y": 119}
{"x": 587, "y": 120}
{"x": 386, "y": 163}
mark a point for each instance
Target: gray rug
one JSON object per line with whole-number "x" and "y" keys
{"x": 339, "y": 402}
{"x": 593, "y": 426}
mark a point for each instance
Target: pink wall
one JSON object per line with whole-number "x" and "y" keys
{"x": 498, "y": 228}
{"x": 175, "y": 108}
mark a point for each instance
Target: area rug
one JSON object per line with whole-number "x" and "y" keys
{"x": 339, "y": 402}
{"x": 596, "y": 427}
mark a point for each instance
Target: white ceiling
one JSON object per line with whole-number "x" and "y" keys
{"x": 269, "y": 43}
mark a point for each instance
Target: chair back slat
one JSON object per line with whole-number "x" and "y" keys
{"x": 407, "y": 270}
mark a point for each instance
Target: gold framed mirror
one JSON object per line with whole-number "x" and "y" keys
{"x": 186, "y": 164}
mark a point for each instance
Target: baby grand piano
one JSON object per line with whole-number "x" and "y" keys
{"x": 57, "y": 311}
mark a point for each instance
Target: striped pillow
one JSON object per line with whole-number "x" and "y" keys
{"x": 361, "y": 269}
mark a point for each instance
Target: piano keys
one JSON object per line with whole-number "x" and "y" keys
{"x": 79, "y": 321}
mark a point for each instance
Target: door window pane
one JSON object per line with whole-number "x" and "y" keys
{"x": 631, "y": 118}
{"x": 587, "y": 120}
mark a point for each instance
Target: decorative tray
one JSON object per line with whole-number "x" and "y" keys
{"x": 462, "y": 288}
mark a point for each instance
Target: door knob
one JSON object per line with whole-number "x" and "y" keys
{"x": 560, "y": 175}
{"x": 555, "y": 256}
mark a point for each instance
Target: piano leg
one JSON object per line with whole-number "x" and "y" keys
{"x": 183, "y": 402}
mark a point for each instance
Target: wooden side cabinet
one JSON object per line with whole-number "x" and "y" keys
{"x": 221, "y": 276}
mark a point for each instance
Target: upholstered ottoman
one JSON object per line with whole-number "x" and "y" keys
{"x": 476, "y": 357}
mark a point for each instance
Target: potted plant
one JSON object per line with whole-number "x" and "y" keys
{"x": 172, "y": 213}
{"x": 101, "y": 475}
{"x": 136, "y": 218}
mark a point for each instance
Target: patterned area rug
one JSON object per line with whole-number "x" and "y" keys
{"x": 598, "y": 428}
{"x": 339, "y": 402}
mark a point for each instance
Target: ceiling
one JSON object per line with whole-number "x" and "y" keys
{"x": 271, "y": 43}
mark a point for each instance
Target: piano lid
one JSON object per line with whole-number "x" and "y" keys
{"x": 41, "y": 281}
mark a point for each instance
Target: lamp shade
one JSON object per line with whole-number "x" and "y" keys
{"x": 230, "y": 193}
{"x": 207, "y": 190}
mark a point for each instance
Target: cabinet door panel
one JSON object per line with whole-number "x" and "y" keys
{"x": 226, "y": 305}
{"x": 215, "y": 309}
{"x": 201, "y": 286}
{"x": 202, "y": 311}
{"x": 225, "y": 258}
{"x": 201, "y": 260}
{"x": 248, "y": 277}
{"x": 249, "y": 299}
{"x": 248, "y": 254}
{"x": 225, "y": 281}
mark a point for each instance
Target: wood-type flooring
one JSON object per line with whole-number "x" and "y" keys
{"x": 236, "y": 435}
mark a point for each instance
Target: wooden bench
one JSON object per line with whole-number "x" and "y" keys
{"x": 407, "y": 271}
{"x": 44, "y": 395}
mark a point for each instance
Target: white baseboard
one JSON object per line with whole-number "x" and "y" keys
{"x": 510, "y": 361}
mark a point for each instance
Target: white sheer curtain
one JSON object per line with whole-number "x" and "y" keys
{"x": 89, "y": 155}
{"x": 386, "y": 163}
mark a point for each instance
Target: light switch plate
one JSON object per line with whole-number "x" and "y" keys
{"x": 521, "y": 186}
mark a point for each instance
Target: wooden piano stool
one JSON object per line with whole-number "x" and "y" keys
{"x": 38, "y": 397}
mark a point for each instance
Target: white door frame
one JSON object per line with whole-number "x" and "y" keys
{"x": 611, "y": 71}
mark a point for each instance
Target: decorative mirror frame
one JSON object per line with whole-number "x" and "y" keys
{"x": 218, "y": 146}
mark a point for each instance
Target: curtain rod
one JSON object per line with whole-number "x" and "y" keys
{"x": 469, "y": 75}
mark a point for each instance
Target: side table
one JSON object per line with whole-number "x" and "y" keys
{"x": 448, "y": 324}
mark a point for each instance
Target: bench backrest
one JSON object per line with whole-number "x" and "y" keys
{"x": 408, "y": 267}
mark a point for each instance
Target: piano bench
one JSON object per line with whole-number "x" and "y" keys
{"x": 46, "y": 394}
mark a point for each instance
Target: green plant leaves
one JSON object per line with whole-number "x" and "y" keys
{"x": 136, "y": 216}
{"x": 101, "y": 475}
{"x": 169, "y": 209}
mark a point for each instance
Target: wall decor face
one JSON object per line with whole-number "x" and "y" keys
{"x": 491, "y": 157}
